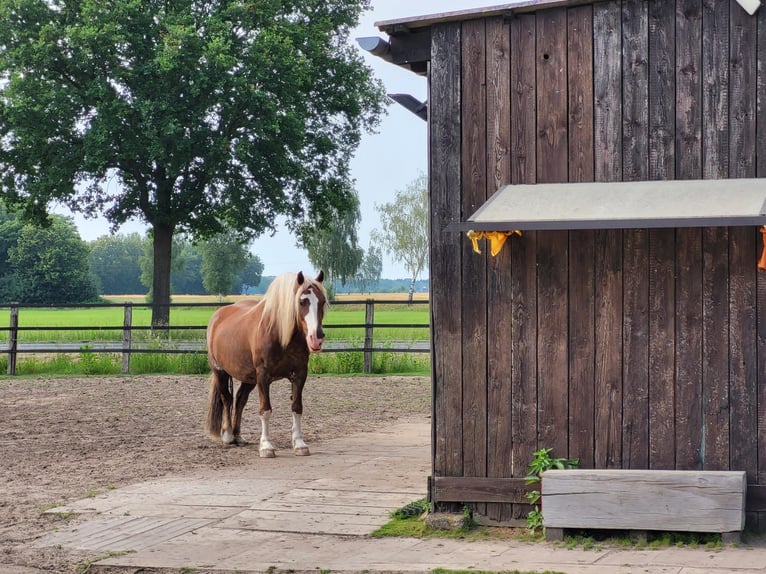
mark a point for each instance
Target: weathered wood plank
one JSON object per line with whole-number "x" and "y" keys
{"x": 688, "y": 88}
{"x": 471, "y": 489}
{"x": 445, "y": 254}
{"x": 688, "y": 415}
{"x": 715, "y": 348}
{"x": 635, "y": 90}
{"x": 662, "y": 336}
{"x": 712, "y": 501}
{"x": 552, "y": 167}
{"x": 635, "y": 154}
{"x": 474, "y": 267}
{"x": 715, "y": 89}
{"x": 607, "y": 80}
{"x": 499, "y": 303}
{"x": 743, "y": 254}
{"x": 581, "y": 343}
{"x": 609, "y": 395}
{"x": 523, "y": 276}
{"x": 635, "y": 352}
{"x": 662, "y": 87}
{"x": 607, "y": 87}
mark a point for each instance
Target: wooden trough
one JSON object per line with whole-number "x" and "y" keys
{"x": 640, "y": 500}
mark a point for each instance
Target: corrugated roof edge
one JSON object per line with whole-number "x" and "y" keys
{"x": 425, "y": 21}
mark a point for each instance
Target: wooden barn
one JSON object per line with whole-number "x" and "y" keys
{"x": 626, "y": 325}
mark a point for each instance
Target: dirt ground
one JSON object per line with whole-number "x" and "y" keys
{"x": 63, "y": 439}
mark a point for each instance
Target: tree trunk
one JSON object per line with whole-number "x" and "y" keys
{"x": 163, "y": 243}
{"x": 412, "y": 289}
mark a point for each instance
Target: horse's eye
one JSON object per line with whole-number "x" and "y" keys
{"x": 304, "y": 302}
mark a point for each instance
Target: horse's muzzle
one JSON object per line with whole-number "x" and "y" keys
{"x": 314, "y": 343}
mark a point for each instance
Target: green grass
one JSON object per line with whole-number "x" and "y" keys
{"x": 89, "y": 363}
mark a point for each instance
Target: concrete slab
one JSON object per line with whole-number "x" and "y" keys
{"x": 314, "y": 513}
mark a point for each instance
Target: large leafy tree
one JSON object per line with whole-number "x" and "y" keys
{"x": 224, "y": 257}
{"x": 404, "y": 228}
{"x": 336, "y": 249}
{"x": 51, "y": 264}
{"x": 114, "y": 259}
{"x": 206, "y": 115}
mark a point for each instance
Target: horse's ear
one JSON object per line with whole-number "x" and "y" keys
{"x": 320, "y": 277}
{"x": 300, "y": 278}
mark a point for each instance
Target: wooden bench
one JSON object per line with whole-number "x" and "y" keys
{"x": 642, "y": 500}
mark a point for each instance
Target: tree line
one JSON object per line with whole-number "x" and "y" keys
{"x": 51, "y": 264}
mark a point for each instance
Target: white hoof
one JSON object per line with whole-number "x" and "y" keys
{"x": 267, "y": 453}
{"x": 227, "y": 437}
{"x": 302, "y": 451}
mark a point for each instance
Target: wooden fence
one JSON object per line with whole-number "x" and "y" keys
{"x": 128, "y": 346}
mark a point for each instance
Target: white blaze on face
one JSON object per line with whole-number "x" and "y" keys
{"x": 312, "y": 321}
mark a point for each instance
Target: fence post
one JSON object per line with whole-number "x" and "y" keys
{"x": 369, "y": 319}
{"x": 126, "y": 336}
{"x": 13, "y": 342}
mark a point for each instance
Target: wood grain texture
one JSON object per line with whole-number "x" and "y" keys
{"x": 662, "y": 87}
{"x": 499, "y": 303}
{"x": 474, "y": 267}
{"x": 445, "y": 250}
{"x": 645, "y": 500}
{"x": 688, "y": 89}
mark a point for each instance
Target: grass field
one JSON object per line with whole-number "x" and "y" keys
{"x": 92, "y": 324}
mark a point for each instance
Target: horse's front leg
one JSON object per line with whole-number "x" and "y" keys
{"x": 265, "y": 448}
{"x": 299, "y": 446}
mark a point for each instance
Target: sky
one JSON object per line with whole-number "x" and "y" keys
{"x": 386, "y": 161}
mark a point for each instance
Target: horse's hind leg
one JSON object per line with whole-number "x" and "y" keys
{"x": 299, "y": 446}
{"x": 219, "y": 410}
{"x": 239, "y": 405}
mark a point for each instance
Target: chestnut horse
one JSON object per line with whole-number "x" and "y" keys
{"x": 258, "y": 343}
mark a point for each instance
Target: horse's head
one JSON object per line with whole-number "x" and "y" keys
{"x": 313, "y": 303}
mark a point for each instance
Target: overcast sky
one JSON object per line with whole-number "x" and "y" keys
{"x": 386, "y": 161}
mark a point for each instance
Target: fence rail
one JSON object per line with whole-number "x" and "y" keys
{"x": 128, "y": 346}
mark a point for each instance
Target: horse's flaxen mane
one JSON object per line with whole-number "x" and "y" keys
{"x": 281, "y": 303}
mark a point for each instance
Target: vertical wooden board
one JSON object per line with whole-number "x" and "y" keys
{"x": 474, "y": 268}
{"x": 715, "y": 89}
{"x": 743, "y": 341}
{"x": 688, "y": 390}
{"x": 761, "y": 275}
{"x": 742, "y": 248}
{"x": 662, "y": 87}
{"x": 552, "y": 167}
{"x": 523, "y": 249}
{"x": 445, "y": 251}
{"x": 609, "y": 396}
{"x": 581, "y": 342}
{"x": 580, "y": 92}
{"x": 688, "y": 89}
{"x": 635, "y": 90}
{"x": 607, "y": 90}
{"x": 662, "y": 303}
{"x": 499, "y": 303}
{"x": 635, "y": 154}
{"x": 552, "y": 125}
{"x": 742, "y": 75}
{"x": 635, "y": 362}
{"x": 715, "y": 348}
{"x": 607, "y": 87}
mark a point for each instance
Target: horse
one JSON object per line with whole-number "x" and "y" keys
{"x": 258, "y": 342}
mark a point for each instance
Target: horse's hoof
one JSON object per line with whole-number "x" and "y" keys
{"x": 267, "y": 453}
{"x": 227, "y": 438}
{"x": 302, "y": 451}
{"x": 239, "y": 441}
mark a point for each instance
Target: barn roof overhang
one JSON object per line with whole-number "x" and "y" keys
{"x": 622, "y": 205}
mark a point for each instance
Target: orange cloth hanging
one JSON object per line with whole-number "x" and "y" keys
{"x": 762, "y": 260}
{"x": 496, "y": 239}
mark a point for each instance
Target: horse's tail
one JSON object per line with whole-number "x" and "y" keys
{"x": 215, "y": 404}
